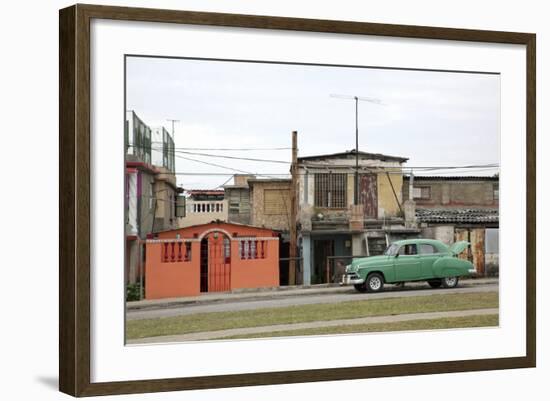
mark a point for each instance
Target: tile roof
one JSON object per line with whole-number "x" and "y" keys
{"x": 457, "y": 215}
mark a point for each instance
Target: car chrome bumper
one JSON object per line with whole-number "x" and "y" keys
{"x": 351, "y": 279}
{"x": 472, "y": 272}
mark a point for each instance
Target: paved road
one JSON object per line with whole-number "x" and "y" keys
{"x": 244, "y": 331}
{"x": 291, "y": 300}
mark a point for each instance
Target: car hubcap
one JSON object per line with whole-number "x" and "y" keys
{"x": 450, "y": 281}
{"x": 375, "y": 283}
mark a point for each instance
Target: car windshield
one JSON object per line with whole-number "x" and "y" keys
{"x": 391, "y": 250}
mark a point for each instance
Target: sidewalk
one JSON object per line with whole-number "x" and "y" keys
{"x": 275, "y": 292}
{"x": 209, "y": 335}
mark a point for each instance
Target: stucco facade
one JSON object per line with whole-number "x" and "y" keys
{"x": 204, "y": 206}
{"x": 332, "y": 225}
{"x": 389, "y": 183}
{"x": 460, "y": 208}
{"x": 210, "y": 258}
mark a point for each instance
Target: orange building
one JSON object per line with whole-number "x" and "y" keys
{"x": 209, "y": 258}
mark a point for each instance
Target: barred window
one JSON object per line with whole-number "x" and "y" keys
{"x": 330, "y": 190}
{"x": 226, "y": 248}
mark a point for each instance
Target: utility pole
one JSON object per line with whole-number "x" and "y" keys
{"x": 173, "y": 130}
{"x": 357, "y": 99}
{"x": 293, "y": 211}
{"x": 356, "y": 192}
{"x": 411, "y": 186}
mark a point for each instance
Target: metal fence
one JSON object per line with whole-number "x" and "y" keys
{"x": 336, "y": 267}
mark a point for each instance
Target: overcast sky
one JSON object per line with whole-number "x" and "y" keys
{"x": 433, "y": 118}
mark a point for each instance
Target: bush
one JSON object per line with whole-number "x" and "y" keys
{"x": 133, "y": 292}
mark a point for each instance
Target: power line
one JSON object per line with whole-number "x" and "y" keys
{"x": 325, "y": 166}
{"x": 234, "y": 157}
{"x": 225, "y": 182}
{"x": 287, "y": 175}
{"x": 212, "y": 164}
{"x": 221, "y": 156}
{"x": 229, "y": 149}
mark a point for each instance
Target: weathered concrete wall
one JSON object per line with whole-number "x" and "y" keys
{"x": 388, "y": 205}
{"x": 238, "y": 205}
{"x": 448, "y": 193}
{"x": 165, "y": 208}
{"x": 387, "y": 201}
{"x": 492, "y": 252}
{"x": 242, "y": 179}
{"x": 409, "y": 210}
{"x": 146, "y": 203}
{"x": 350, "y": 189}
{"x": 262, "y": 215}
{"x": 445, "y": 234}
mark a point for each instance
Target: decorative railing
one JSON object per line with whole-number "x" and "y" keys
{"x": 175, "y": 251}
{"x": 252, "y": 249}
{"x": 206, "y": 207}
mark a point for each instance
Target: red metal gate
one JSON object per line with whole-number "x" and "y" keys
{"x": 368, "y": 195}
{"x": 215, "y": 263}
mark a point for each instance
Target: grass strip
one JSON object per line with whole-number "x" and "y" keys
{"x": 212, "y": 321}
{"x": 420, "y": 324}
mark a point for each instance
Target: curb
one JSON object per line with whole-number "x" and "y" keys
{"x": 265, "y": 293}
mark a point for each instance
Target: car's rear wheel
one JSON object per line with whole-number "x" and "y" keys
{"x": 450, "y": 282}
{"x": 374, "y": 282}
{"x": 434, "y": 283}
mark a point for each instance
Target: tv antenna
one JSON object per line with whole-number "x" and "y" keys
{"x": 357, "y": 99}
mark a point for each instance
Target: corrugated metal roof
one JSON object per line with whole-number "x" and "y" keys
{"x": 451, "y": 178}
{"x": 457, "y": 215}
{"x": 372, "y": 156}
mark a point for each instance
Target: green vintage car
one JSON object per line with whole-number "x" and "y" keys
{"x": 410, "y": 260}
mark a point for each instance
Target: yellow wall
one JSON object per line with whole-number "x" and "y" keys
{"x": 387, "y": 205}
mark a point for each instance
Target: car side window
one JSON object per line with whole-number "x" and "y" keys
{"x": 409, "y": 249}
{"x": 426, "y": 249}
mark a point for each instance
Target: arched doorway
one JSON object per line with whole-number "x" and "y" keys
{"x": 215, "y": 262}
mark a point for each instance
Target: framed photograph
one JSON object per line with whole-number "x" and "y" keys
{"x": 251, "y": 200}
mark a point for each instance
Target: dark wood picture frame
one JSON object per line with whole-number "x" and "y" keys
{"x": 74, "y": 199}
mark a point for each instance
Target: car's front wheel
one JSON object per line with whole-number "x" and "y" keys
{"x": 435, "y": 283}
{"x": 450, "y": 282}
{"x": 374, "y": 282}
